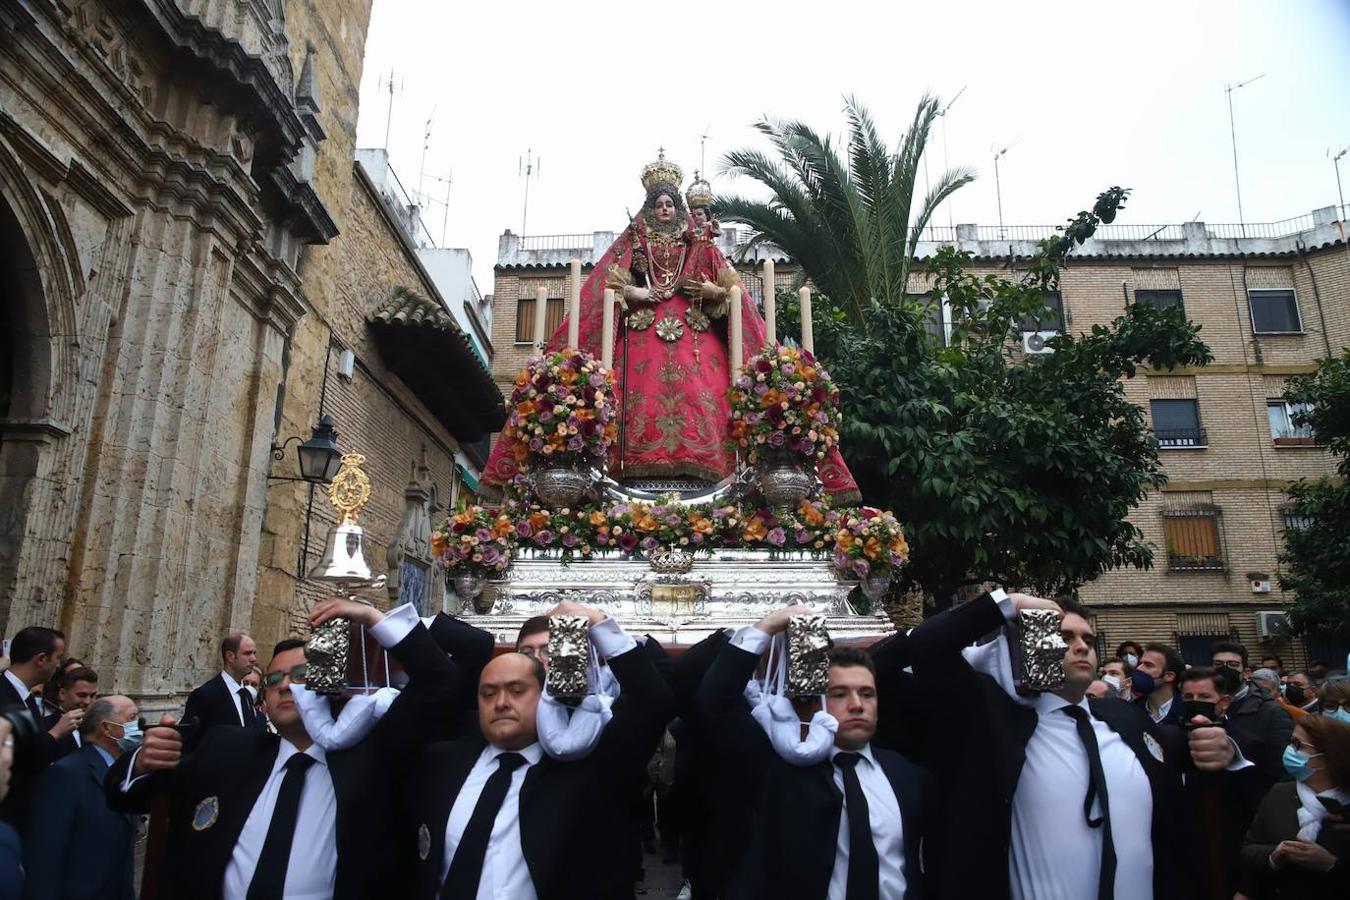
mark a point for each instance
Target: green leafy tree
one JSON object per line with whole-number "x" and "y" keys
{"x": 1021, "y": 471}
{"x": 1317, "y": 556}
{"x": 847, "y": 219}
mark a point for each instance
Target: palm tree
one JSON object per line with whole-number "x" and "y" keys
{"x": 847, "y": 222}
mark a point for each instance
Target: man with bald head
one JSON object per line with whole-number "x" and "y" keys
{"x": 496, "y": 817}
{"x": 75, "y": 845}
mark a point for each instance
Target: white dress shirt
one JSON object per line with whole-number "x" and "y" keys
{"x": 883, "y": 814}
{"x": 505, "y": 875}
{"x": 1162, "y": 710}
{"x": 233, "y": 687}
{"x": 18, "y": 686}
{"x": 883, "y": 807}
{"x": 312, "y": 867}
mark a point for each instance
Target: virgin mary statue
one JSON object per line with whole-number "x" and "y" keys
{"x": 671, "y": 349}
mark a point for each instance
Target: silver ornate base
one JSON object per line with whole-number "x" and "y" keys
{"x": 676, "y": 599}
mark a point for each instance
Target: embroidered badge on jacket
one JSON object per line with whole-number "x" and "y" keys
{"x": 1154, "y": 748}
{"x": 423, "y": 842}
{"x": 206, "y": 813}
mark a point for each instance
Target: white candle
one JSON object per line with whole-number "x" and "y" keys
{"x": 574, "y": 306}
{"x": 808, "y": 336}
{"x": 607, "y": 331}
{"x": 734, "y": 359}
{"x": 540, "y": 307}
{"x": 770, "y": 306}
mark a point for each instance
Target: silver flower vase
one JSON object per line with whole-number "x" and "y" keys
{"x": 469, "y": 587}
{"x": 875, "y": 585}
{"x": 560, "y": 484}
{"x": 785, "y": 478}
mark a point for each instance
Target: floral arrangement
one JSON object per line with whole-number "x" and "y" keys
{"x": 475, "y": 538}
{"x": 562, "y": 408}
{"x": 869, "y": 541}
{"x": 784, "y": 398}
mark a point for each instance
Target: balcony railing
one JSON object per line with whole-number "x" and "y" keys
{"x": 1195, "y": 563}
{"x": 1194, "y": 438}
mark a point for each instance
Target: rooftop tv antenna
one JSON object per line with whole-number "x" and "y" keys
{"x": 998, "y": 185}
{"x": 703, "y": 148}
{"x": 1232, "y": 132}
{"x": 391, "y": 83}
{"x": 426, "y": 142}
{"x": 530, "y": 166}
{"x": 946, "y": 165}
{"x": 445, "y": 213}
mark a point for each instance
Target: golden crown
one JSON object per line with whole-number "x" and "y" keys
{"x": 700, "y": 192}
{"x": 663, "y": 171}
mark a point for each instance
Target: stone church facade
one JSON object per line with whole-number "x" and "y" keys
{"x": 174, "y": 178}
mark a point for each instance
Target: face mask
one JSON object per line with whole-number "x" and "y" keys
{"x": 1132, "y": 659}
{"x": 1142, "y": 682}
{"x": 1113, "y": 681}
{"x": 1193, "y": 708}
{"x": 131, "y": 736}
{"x": 1295, "y": 694}
{"x": 1296, "y": 764}
{"x": 1340, "y": 715}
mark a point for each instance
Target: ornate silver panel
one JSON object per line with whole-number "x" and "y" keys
{"x": 730, "y": 589}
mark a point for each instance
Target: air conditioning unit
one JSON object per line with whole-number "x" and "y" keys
{"x": 1034, "y": 342}
{"x": 1271, "y": 624}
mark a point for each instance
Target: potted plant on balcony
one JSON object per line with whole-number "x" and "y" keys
{"x": 562, "y": 423}
{"x": 785, "y": 418}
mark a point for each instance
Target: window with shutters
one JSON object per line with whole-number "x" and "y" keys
{"x": 1160, "y": 299}
{"x": 1194, "y": 541}
{"x": 553, "y": 316}
{"x": 1051, "y": 318}
{"x": 1176, "y": 423}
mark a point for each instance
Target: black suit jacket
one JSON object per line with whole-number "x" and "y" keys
{"x": 28, "y": 768}
{"x": 570, "y": 818}
{"x": 75, "y": 844}
{"x": 1262, "y": 730}
{"x": 789, "y": 847}
{"x": 210, "y": 705}
{"x": 1277, "y": 820}
{"x": 64, "y": 747}
{"x": 232, "y": 764}
{"x": 976, "y": 745}
{"x": 11, "y": 864}
{"x": 471, "y": 649}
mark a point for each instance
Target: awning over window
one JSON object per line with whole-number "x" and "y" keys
{"x": 422, "y": 345}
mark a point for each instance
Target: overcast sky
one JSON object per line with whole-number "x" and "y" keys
{"x": 1085, "y": 95}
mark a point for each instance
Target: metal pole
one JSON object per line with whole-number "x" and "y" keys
{"x": 1340, "y": 197}
{"x": 998, "y": 190}
{"x": 1237, "y": 182}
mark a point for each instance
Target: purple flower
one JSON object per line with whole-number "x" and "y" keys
{"x": 743, "y": 382}
{"x": 523, "y": 529}
{"x": 543, "y": 537}
{"x": 491, "y": 554}
{"x": 627, "y": 541}
{"x": 777, "y": 537}
{"x": 483, "y": 535}
{"x": 861, "y": 567}
{"x": 597, "y": 380}
{"x": 761, "y": 389}
{"x": 776, "y": 439}
{"x": 569, "y": 540}
{"x": 789, "y": 368}
{"x": 840, "y": 560}
{"x": 695, "y": 538}
{"x": 649, "y": 544}
{"x": 546, "y": 417}
{"x": 803, "y": 537}
{"x": 575, "y": 442}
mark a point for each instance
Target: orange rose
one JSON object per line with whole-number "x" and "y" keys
{"x": 648, "y": 523}
{"x": 844, "y": 539}
{"x": 597, "y": 518}
{"x": 702, "y": 525}
{"x": 538, "y": 520}
{"x": 503, "y": 526}
{"x": 437, "y": 543}
{"x": 872, "y": 549}
{"x": 755, "y": 531}
{"x": 810, "y": 514}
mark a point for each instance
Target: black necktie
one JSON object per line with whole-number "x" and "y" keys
{"x": 1106, "y": 881}
{"x": 269, "y": 878}
{"x": 246, "y": 707}
{"x": 33, "y": 708}
{"x": 466, "y": 867}
{"x": 864, "y": 879}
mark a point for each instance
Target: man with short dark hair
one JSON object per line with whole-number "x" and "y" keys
{"x": 255, "y": 814}
{"x": 75, "y": 690}
{"x": 1273, "y": 662}
{"x": 75, "y": 845}
{"x": 1300, "y": 695}
{"x": 1154, "y": 682}
{"x": 224, "y": 700}
{"x": 1261, "y": 728}
{"x": 35, "y": 654}
{"x": 532, "y": 640}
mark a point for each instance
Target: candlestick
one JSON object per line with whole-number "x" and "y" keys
{"x": 808, "y": 335}
{"x": 540, "y": 306}
{"x": 574, "y": 306}
{"x": 607, "y": 331}
{"x": 734, "y": 359}
{"x": 770, "y": 306}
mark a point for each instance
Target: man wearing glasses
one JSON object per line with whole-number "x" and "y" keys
{"x": 259, "y": 815}
{"x": 1256, "y": 722}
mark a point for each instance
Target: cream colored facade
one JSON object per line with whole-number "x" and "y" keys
{"x": 1232, "y": 468}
